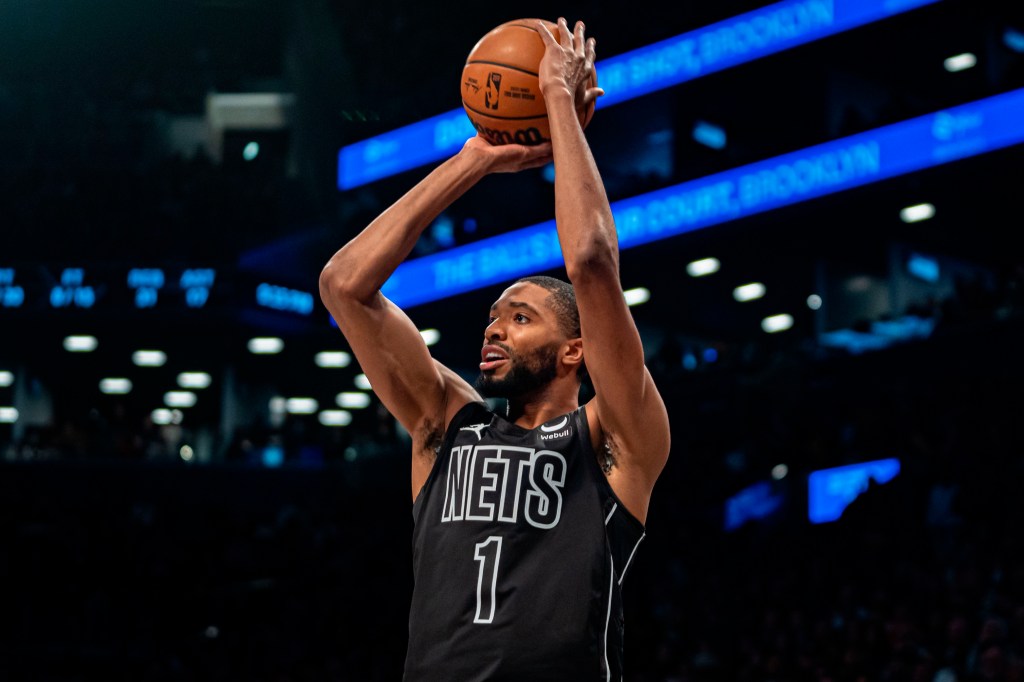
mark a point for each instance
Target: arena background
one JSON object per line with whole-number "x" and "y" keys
{"x": 843, "y": 498}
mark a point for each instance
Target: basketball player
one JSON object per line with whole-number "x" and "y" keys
{"x": 525, "y": 523}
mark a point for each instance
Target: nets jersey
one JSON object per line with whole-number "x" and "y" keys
{"x": 520, "y": 548}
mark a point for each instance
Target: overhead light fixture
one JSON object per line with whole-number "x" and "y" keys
{"x": 335, "y": 418}
{"x": 161, "y": 416}
{"x": 332, "y": 358}
{"x": 301, "y": 405}
{"x": 8, "y": 415}
{"x": 194, "y": 380}
{"x": 636, "y": 296}
{"x": 702, "y": 267}
{"x": 777, "y": 323}
{"x": 115, "y": 386}
{"x": 149, "y": 358}
{"x": 265, "y": 345}
{"x": 353, "y": 400}
{"x": 430, "y": 336}
{"x": 814, "y": 302}
{"x": 748, "y": 292}
{"x": 80, "y": 343}
{"x": 917, "y": 213}
{"x": 960, "y": 62}
{"x": 179, "y": 399}
{"x": 6, "y": 378}
{"x": 362, "y": 382}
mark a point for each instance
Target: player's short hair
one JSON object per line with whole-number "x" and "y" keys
{"x": 562, "y": 300}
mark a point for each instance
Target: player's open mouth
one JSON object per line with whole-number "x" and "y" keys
{"x": 492, "y": 357}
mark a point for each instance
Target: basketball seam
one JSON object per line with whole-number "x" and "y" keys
{"x": 507, "y": 66}
{"x": 502, "y": 118}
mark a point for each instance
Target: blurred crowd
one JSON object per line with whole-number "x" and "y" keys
{"x": 116, "y": 571}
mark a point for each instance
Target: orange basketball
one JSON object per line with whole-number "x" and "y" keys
{"x": 500, "y": 91}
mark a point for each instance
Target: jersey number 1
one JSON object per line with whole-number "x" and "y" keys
{"x": 488, "y": 553}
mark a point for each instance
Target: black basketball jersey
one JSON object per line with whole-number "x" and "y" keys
{"x": 520, "y": 548}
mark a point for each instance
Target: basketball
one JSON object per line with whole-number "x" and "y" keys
{"x": 500, "y": 89}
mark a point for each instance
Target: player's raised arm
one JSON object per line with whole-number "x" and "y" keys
{"x": 628, "y": 410}
{"x": 420, "y": 393}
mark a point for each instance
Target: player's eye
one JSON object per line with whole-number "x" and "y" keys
{"x": 521, "y": 318}
{"x": 491, "y": 319}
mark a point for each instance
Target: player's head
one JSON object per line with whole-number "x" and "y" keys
{"x": 532, "y": 338}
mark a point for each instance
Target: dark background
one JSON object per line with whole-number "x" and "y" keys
{"x": 245, "y": 543}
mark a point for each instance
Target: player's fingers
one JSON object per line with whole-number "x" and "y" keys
{"x": 591, "y": 52}
{"x": 545, "y": 34}
{"x": 592, "y": 94}
{"x": 578, "y": 40}
{"x": 564, "y": 33}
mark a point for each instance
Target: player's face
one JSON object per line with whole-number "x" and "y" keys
{"x": 521, "y": 344}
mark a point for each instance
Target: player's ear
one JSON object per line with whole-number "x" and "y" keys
{"x": 572, "y": 355}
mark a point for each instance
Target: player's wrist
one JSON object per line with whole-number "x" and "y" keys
{"x": 556, "y": 92}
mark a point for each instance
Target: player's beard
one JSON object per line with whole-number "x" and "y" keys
{"x": 527, "y": 373}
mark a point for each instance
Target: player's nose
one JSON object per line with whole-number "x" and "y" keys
{"x": 495, "y": 330}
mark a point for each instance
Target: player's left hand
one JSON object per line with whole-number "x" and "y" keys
{"x": 568, "y": 62}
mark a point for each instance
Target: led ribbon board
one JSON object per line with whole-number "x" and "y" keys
{"x": 737, "y": 40}
{"x": 923, "y": 142}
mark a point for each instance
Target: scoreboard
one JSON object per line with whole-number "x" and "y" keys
{"x": 118, "y": 290}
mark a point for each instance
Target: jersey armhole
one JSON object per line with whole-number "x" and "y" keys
{"x": 461, "y": 417}
{"x": 591, "y": 456}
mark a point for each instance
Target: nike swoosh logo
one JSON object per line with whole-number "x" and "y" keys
{"x": 549, "y": 429}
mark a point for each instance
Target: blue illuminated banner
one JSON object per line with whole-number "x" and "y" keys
{"x": 830, "y": 491}
{"x": 737, "y": 40}
{"x": 758, "y": 501}
{"x": 861, "y": 159}
{"x": 283, "y": 298}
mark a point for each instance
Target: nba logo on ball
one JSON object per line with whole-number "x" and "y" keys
{"x": 493, "y": 90}
{"x": 500, "y": 89}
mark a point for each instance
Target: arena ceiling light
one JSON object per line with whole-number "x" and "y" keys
{"x": 149, "y": 358}
{"x": 179, "y": 399}
{"x": 8, "y": 415}
{"x": 430, "y": 336}
{"x": 748, "y": 292}
{"x": 960, "y": 62}
{"x": 917, "y": 213}
{"x": 703, "y": 267}
{"x": 362, "y": 382}
{"x": 332, "y": 358}
{"x": 6, "y": 378}
{"x": 301, "y": 405}
{"x": 197, "y": 380}
{"x": 265, "y": 345}
{"x": 335, "y": 418}
{"x": 115, "y": 386}
{"x": 80, "y": 343}
{"x": 353, "y": 400}
{"x": 814, "y": 302}
{"x": 637, "y": 296}
{"x": 777, "y": 323}
{"x": 162, "y": 416}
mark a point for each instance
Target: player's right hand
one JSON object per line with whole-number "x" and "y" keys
{"x": 508, "y": 158}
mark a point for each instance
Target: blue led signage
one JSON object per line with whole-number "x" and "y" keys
{"x": 875, "y": 155}
{"x": 737, "y": 40}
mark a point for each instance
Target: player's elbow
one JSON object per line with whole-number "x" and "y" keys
{"x": 597, "y": 257}
{"x": 337, "y": 283}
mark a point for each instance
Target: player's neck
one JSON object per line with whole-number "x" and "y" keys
{"x": 530, "y": 411}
